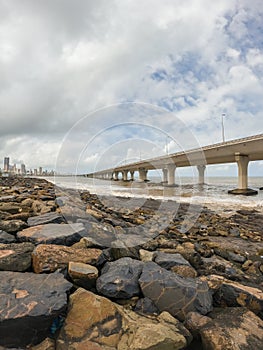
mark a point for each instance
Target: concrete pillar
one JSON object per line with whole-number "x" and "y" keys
{"x": 132, "y": 175}
{"x": 242, "y": 162}
{"x": 142, "y": 175}
{"x": 125, "y": 175}
{"x": 171, "y": 174}
{"x": 116, "y": 176}
{"x": 201, "y": 174}
{"x": 165, "y": 175}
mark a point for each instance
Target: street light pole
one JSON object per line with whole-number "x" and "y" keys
{"x": 223, "y": 128}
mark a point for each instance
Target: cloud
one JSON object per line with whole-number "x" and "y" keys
{"x": 61, "y": 60}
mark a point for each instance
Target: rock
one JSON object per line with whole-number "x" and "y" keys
{"x": 233, "y": 328}
{"x": 16, "y": 256}
{"x": 194, "y": 322}
{"x": 64, "y": 234}
{"x": 90, "y": 318}
{"x": 119, "y": 250}
{"x": 50, "y": 257}
{"x": 11, "y": 208}
{"x": 28, "y": 305}
{"x": 83, "y": 275}
{"x": 6, "y": 237}
{"x": 167, "y": 261}
{"x": 173, "y": 293}
{"x": 12, "y": 226}
{"x": 40, "y": 207}
{"x": 47, "y": 344}
{"x": 119, "y": 279}
{"x": 220, "y": 266}
{"x": 230, "y": 293}
{"x": 48, "y": 218}
{"x": 184, "y": 271}
{"x": 146, "y": 306}
{"x": 96, "y": 320}
{"x": 145, "y": 255}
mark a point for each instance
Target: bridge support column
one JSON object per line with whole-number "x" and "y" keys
{"x": 132, "y": 175}
{"x": 116, "y": 176}
{"x": 242, "y": 163}
{"x": 165, "y": 175}
{"x": 171, "y": 174}
{"x": 125, "y": 175}
{"x": 142, "y": 175}
{"x": 201, "y": 174}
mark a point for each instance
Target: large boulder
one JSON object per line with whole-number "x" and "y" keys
{"x": 48, "y": 218}
{"x": 119, "y": 279}
{"x": 233, "y": 328}
{"x": 94, "y": 322}
{"x": 51, "y": 257}
{"x": 64, "y": 234}
{"x": 173, "y": 293}
{"x": 29, "y": 303}
{"x": 16, "y": 256}
{"x": 233, "y": 293}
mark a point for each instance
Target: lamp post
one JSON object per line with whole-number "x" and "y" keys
{"x": 223, "y": 128}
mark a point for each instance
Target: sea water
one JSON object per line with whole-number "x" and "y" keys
{"x": 214, "y": 192}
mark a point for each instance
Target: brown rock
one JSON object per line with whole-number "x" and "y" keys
{"x": 233, "y": 328}
{"x": 195, "y": 321}
{"x": 50, "y": 257}
{"x": 184, "y": 271}
{"x": 47, "y": 344}
{"x": 12, "y": 226}
{"x": 95, "y": 319}
{"x": 83, "y": 275}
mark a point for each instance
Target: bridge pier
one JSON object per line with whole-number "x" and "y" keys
{"x": 242, "y": 163}
{"x": 142, "y": 174}
{"x": 201, "y": 174}
{"x": 132, "y": 175}
{"x": 115, "y": 175}
{"x": 171, "y": 174}
{"x": 125, "y": 175}
{"x": 165, "y": 175}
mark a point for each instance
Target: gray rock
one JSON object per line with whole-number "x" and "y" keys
{"x": 119, "y": 279}
{"x": 48, "y": 218}
{"x": 61, "y": 234}
{"x": 6, "y": 237}
{"x": 167, "y": 261}
{"x": 29, "y": 303}
{"x": 146, "y": 306}
{"x": 173, "y": 293}
{"x": 16, "y": 256}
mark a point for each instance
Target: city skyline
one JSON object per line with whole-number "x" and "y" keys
{"x": 21, "y": 169}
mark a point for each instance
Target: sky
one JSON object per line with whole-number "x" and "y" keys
{"x": 86, "y": 84}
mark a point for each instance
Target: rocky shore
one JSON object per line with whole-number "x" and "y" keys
{"x": 84, "y": 272}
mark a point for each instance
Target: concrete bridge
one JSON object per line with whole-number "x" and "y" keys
{"x": 240, "y": 151}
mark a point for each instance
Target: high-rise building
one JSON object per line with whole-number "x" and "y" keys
{"x": 23, "y": 169}
{"x": 6, "y": 164}
{"x": 40, "y": 171}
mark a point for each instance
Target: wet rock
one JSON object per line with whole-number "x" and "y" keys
{"x": 83, "y": 275}
{"x": 230, "y": 293}
{"x": 50, "y": 257}
{"x": 12, "y": 226}
{"x": 15, "y": 256}
{"x": 96, "y": 320}
{"x": 48, "y": 218}
{"x": 28, "y": 305}
{"x": 173, "y": 293}
{"x": 233, "y": 328}
{"x": 64, "y": 234}
{"x": 119, "y": 279}
{"x": 6, "y": 237}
